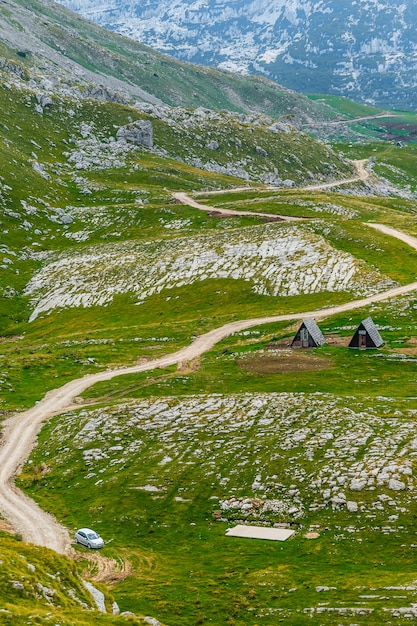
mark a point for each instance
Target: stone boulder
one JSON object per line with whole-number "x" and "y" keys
{"x": 212, "y": 145}
{"x": 396, "y": 485}
{"x": 44, "y": 100}
{"x": 100, "y": 92}
{"x": 279, "y": 127}
{"x": 139, "y": 133}
{"x": 351, "y": 506}
{"x": 357, "y": 484}
{"x": 10, "y": 67}
{"x": 261, "y": 151}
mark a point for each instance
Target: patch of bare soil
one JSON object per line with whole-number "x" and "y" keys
{"x": 282, "y": 361}
{"x": 409, "y": 348}
{"x": 188, "y": 367}
{"x": 331, "y": 340}
{"x": 218, "y": 214}
{"x": 336, "y": 340}
{"x": 104, "y": 569}
{"x": 5, "y": 527}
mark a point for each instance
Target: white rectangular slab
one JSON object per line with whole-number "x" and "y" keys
{"x": 260, "y": 532}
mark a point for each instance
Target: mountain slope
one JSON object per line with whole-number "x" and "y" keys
{"x": 367, "y": 50}
{"x": 69, "y": 50}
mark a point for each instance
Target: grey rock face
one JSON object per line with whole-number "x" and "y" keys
{"x": 12, "y": 68}
{"x": 261, "y": 151}
{"x": 396, "y": 485}
{"x": 213, "y": 145}
{"x": 279, "y": 127}
{"x": 139, "y": 133}
{"x": 357, "y": 484}
{"x": 17, "y": 585}
{"x": 301, "y": 44}
{"x": 338, "y": 501}
{"x": 44, "y": 101}
{"x": 98, "y": 596}
{"x": 102, "y": 93}
{"x": 351, "y": 506}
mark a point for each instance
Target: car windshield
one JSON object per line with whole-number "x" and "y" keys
{"x": 92, "y": 536}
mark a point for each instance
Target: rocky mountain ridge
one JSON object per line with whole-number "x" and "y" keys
{"x": 55, "y": 49}
{"x": 366, "y": 50}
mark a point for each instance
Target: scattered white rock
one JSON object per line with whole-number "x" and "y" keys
{"x": 396, "y": 485}
{"x": 98, "y": 596}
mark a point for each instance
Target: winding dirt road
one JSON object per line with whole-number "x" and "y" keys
{"x": 184, "y": 198}
{"x": 352, "y": 120}
{"x": 363, "y": 173}
{"x": 20, "y": 431}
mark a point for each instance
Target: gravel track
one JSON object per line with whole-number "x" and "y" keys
{"x": 363, "y": 173}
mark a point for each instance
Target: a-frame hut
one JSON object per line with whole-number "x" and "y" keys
{"x": 308, "y": 335}
{"x": 366, "y": 336}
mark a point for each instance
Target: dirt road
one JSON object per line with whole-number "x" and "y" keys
{"x": 352, "y": 120}
{"x": 363, "y": 173}
{"x": 20, "y": 431}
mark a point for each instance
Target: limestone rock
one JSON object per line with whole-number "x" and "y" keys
{"x": 357, "y": 484}
{"x": 102, "y": 93}
{"x": 338, "y": 501}
{"x": 139, "y": 133}
{"x": 17, "y": 585}
{"x": 10, "y": 67}
{"x": 261, "y": 151}
{"x": 279, "y": 127}
{"x": 212, "y": 145}
{"x": 396, "y": 485}
{"x": 351, "y": 506}
{"x": 44, "y": 101}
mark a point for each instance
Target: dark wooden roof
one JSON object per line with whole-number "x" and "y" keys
{"x": 314, "y": 331}
{"x": 372, "y": 331}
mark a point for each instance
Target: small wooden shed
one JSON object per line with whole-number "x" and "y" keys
{"x": 366, "y": 336}
{"x": 308, "y": 335}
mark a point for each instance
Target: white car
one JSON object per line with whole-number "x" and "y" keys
{"x": 88, "y": 538}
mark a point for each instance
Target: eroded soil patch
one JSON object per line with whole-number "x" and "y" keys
{"x": 106, "y": 570}
{"x": 5, "y": 527}
{"x": 284, "y": 360}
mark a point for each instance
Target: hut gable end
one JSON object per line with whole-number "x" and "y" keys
{"x": 308, "y": 335}
{"x": 366, "y": 336}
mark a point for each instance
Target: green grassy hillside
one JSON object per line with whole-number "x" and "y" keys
{"x": 363, "y": 123}
{"x": 37, "y": 584}
{"x": 50, "y": 38}
{"x": 188, "y": 449}
{"x": 100, "y": 268}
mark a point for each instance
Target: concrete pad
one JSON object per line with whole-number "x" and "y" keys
{"x": 260, "y": 532}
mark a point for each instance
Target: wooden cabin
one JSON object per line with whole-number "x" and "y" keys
{"x": 366, "y": 336}
{"x": 308, "y": 335}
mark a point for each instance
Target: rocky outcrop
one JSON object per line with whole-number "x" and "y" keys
{"x": 139, "y": 133}
{"x": 284, "y": 41}
{"x": 10, "y": 67}
{"x": 212, "y": 145}
{"x": 103, "y": 93}
{"x": 44, "y": 101}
